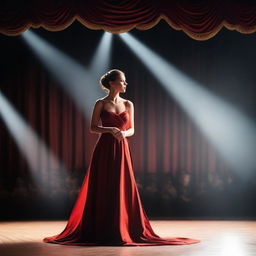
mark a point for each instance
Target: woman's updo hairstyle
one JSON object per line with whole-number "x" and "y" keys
{"x": 109, "y": 76}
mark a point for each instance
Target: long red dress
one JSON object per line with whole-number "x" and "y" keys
{"x": 108, "y": 209}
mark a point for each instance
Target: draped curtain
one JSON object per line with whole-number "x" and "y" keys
{"x": 199, "y": 19}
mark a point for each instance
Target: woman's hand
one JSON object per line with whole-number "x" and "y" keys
{"x": 118, "y": 134}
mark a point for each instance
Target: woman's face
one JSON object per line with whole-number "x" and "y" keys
{"x": 120, "y": 83}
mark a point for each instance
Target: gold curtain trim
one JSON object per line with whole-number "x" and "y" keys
{"x": 123, "y": 29}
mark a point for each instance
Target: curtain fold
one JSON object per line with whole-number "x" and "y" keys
{"x": 200, "y": 20}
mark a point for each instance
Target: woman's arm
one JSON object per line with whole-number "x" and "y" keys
{"x": 130, "y": 131}
{"x": 94, "y": 127}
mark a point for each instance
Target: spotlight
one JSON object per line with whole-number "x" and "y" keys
{"x": 39, "y": 158}
{"x": 101, "y": 60}
{"x": 230, "y": 131}
{"x": 79, "y": 82}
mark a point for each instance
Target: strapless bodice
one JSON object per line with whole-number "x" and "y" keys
{"x": 112, "y": 119}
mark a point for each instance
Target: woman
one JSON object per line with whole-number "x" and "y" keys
{"x": 108, "y": 210}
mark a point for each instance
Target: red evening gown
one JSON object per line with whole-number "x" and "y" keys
{"x": 108, "y": 209}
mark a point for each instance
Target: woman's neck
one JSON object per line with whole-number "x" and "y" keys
{"x": 115, "y": 98}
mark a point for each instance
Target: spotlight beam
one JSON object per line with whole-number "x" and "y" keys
{"x": 101, "y": 60}
{"x": 76, "y": 80}
{"x": 35, "y": 151}
{"x": 232, "y": 133}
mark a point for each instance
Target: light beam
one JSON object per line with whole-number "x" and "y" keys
{"x": 230, "y": 131}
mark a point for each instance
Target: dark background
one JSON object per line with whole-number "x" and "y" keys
{"x": 224, "y": 64}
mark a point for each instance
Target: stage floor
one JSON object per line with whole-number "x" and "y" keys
{"x": 218, "y": 237}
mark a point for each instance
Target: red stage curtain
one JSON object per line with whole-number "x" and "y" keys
{"x": 166, "y": 139}
{"x": 200, "y": 20}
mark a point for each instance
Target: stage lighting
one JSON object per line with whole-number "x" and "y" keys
{"x": 228, "y": 129}
{"x": 78, "y": 81}
{"x": 101, "y": 60}
{"x": 45, "y": 168}
{"x": 232, "y": 244}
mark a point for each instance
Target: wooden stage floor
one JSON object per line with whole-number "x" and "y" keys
{"x": 218, "y": 237}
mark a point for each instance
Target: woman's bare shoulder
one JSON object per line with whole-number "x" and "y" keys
{"x": 100, "y": 101}
{"x": 129, "y": 102}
